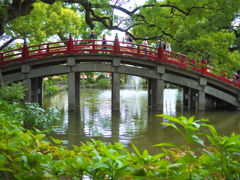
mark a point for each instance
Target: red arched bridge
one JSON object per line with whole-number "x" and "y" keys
{"x": 196, "y": 77}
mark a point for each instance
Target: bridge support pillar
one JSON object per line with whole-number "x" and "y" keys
{"x": 115, "y": 91}
{"x": 34, "y": 92}
{"x": 185, "y": 96}
{"x": 193, "y": 99}
{"x": 28, "y": 95}
{"x": 1, "y": 78}
{"x": 155, "y": 93}
{"x": 74, "y": 91}
{"x": 201, "y": 100}
{"x": 201, "y": 94}
{"x": 189, "y": 97}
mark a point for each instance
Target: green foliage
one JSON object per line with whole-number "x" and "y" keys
{"x": 190, "y": 126}
{"x": 143, "y": 83}
{"x": 50, "y": 90}
{"x": 12, "y": 92}
{"x": 218, "y": 161}
{"x": 103, "y": 83}
{"x": 195, "y": 28}
{"x": 45, "y": 21}
{"x": 29, "y": 155}
{"x": 50, "y": 84}
{"x": 101, "y": 76}
{"x": 89, "y": 74}
{"x": 90, "y": 81}
{"x": 36, "y": 117}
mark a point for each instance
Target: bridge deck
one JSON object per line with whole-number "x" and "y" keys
{"x": 113, "y": 47}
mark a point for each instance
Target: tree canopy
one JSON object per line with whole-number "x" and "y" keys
{"x": 202, "y": 29}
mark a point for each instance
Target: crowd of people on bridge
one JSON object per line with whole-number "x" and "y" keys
{"x": 129, "y": 40}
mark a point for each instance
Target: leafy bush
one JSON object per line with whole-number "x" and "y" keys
{"x": 50, "y": 90}
{"x": 122, "y": 81}
{"x": 12, "y": 92}
{"x": 143, "y": 83}
{"x": 101, "y": 76}
{"x": 103, "y": 83}
{"x": 34, "y": 116}
{"x": 28, "y": 155}
{"x": 90, "y": 81}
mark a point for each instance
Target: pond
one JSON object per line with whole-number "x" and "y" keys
{"x": 134, "y": 123}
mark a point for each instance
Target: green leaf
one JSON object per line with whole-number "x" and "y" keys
{"x": 56, "y": 141}
{"x": 199, "y": 141}
{"x": 100, "y": 165}
{"x": 6, "y": 169}
{"x": 176, "y": 166}
{"x": 168, "y": 144}
{"x": 172, "y": 119}
{"x": 214, "y": 141}
{"x": 136, "y": 150}
{"x": 187, "y": 159}
{"x": 175, "y": 127}
{"x": 208, "y": 153}
{"x": 212, "y": 129}
{"x": 157, "y": 156}
{"x": 145, "y": 154}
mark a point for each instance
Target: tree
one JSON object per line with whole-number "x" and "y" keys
{"x": 195, "y": 28}
{"x": 44, "y": 22}
{"x": 185, "y": 23}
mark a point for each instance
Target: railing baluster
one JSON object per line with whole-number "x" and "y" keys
{"x": 116, "y": 45}
{"x": 25, "y": 52}
{"x": 48, "y": 49}
{"x": 204, "y": 66}
{"x": 2, "y": 57}
{"x": 138, "y": 49}
{"x": 160, "y": 54}
{"x": 70, "y": 44}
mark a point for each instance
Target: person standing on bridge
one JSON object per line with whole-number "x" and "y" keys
{"x": 130, "y": 39}
{"x": 104, "y": 42}
{"x": 92, "y": 35}
{"x": 145, "y": 44}
{"x": 158, "y": 44}
{"x": 167, "y": 47}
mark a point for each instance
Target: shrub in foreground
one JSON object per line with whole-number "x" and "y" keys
{"x": 27, "y": 154}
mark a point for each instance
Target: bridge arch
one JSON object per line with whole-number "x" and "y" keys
{"x": 196, "y": 86}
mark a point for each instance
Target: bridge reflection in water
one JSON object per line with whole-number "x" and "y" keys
{"x": 134, "y": 123}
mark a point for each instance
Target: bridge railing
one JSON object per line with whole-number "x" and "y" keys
{"x": 113, "y": 47}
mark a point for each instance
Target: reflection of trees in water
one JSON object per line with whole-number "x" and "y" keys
{"x": 133, "y": 123}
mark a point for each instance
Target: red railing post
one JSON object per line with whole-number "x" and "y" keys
{"x": 160, "y": 54}
{"x": 138, "y": 50}
{"x": 48, "y": 49}
{"x": 116, "y": 45}
{"x": 2, "y": 55}
{"x": 204, "y": 66}
{"x": 93, "y": 46}
{"x": 70, "y": 44}
{"x": 25, "y": 52}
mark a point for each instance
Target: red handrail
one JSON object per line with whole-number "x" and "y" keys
{"x": 113, "y": 47}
